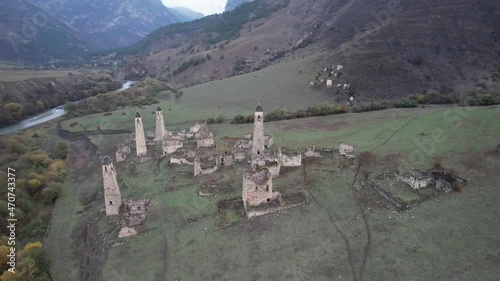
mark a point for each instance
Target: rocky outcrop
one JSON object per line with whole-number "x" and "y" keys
{"x": 231, "y": 4}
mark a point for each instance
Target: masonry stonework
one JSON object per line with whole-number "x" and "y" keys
{"x": 160, "y": 125}
{"x": 258, "y": 138}
{"x": 140, "y": 139}
{"x": 112, "y": 195}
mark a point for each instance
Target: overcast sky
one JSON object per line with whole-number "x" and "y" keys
{"x": 207, "y": 7}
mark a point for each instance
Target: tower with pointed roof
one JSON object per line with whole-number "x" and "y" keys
{"x": 258, "y": 138}
{"x": 112, "y": 195}
{"x": 160, "y": 125}
{"x": 140, "y": 139}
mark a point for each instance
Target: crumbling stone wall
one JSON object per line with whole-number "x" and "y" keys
{"x": 416, "y": 178}
{"x": 292, "y": 160}
{"x": 243, "y": 144}
{"x": 311, "y": 152}
{"x": 274, "y": 168}
{"x": 200, "y": 169}
{"x": 347, "y": 150}
{"x": 239, "y": 155}
{"x": 225, "y": 159}
{"x": 268, "y": 141}
{"x": 170, "y": 144}
{"x": 112, "y": 195}
{"x": 140, "y": 139}
{"x": 204, "y": 137}
{"x": 122, "y": 151}
{"x": 258, "y": 187}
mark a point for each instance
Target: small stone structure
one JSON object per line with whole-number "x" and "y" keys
{"x": 347, "y": 150}
{"x": 258, "y": 188}
{"x": 311, "y": 152}
{"x": 122, "y": 151}
{"x": 112, "y": 195}
{"x": 160, "y": 125}
{"x": 171, "y": 142}
{"x": 140, "y": 139}
{"x": 135, "y": 212}
{"x": 204, "y": 137}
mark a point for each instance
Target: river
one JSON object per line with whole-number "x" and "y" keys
{"x": 47, "y": 115}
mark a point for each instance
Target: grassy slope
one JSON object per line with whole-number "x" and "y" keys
{"x": 274, "y": 87}
{"x": 453, "y": 237}
{"x": 21, "y": 75}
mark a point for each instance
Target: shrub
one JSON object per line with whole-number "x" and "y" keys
{"x": 239, "y": 119}
{"x": 405, "y": 103}
{"x": 220, "y": 118}
{"x": 210, "y": 120}
{"x": 61, "y": 150}
{"x": 438, "y": 165}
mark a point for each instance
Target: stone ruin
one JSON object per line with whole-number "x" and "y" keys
{"x": 347, "y": 150}
{"x": 415, "y": 186}
{"x": 134, "y": 214}
{"x": 258, "y": 188}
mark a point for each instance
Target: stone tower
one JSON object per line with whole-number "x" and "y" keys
{"x": 112, "y": 195}
{"x": 160, "y": 125}
{"x": 258, "y": 138}
{"x": 140, "y": 139}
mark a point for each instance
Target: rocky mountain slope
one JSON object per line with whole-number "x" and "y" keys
{"x": 185, "y": 14}
{"x": 231, "y": 4}
{"x": 388, "y": 49}
{"x": 112, "y": 23}
{"x": 29, "y": 35}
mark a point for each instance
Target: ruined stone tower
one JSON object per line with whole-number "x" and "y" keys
{"x": 140, "y": 140}
{"x": 160, "y": 125}
{"x": 258, "y": 138}
{"x": 112, "y": 195}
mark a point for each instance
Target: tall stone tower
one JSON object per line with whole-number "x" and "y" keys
{"x": 160, "y": 125}
{"x": 112, "y": 195}
{"x": 140, "y": 139}
{"x": 258, "y": 138}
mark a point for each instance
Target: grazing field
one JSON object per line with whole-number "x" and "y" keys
{"x": 186, "y": 237}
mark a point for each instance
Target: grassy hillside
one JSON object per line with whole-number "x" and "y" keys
{"x": 187, "y": 238}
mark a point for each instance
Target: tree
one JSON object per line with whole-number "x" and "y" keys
{"x": 30, "y": 109}
{"x": 30, "y": 246}
{"x": 5, "y": 116}
{"x": 4, "y": 251}
{"x": 70, "y": 107}
{"x": 61, "y": 150}
{"x": 220, "y": 118}
{"x": 40, "y": 106}
{"x": 15, "y": 109}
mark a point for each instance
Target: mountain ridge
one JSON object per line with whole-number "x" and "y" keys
{"x": 110, "y": 24}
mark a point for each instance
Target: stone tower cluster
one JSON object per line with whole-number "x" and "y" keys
{"x": 140, "y": 139}
{"x": 258, "y": 159}
{"x": 160, "y": 125}
{"x": 112, "y": 195}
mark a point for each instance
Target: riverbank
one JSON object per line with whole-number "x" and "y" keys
{"x": 48, "y": 115}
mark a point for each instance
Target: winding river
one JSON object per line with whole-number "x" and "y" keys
{"x": 47, "y": 115}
